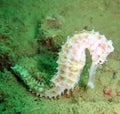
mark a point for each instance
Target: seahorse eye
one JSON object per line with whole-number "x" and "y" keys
{"x": 100, "y": 61}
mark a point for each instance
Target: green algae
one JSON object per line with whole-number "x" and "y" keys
{"x": 84, "y": 75}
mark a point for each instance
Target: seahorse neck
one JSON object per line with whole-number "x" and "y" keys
{"x": 91, "y": 42}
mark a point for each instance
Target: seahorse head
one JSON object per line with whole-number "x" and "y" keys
{"x": 103, "y": 49}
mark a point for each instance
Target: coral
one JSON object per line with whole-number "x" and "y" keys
{"x": 49, "y": 32}
{"x": 71, "y": 62}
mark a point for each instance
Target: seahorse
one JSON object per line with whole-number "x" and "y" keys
{"x": 71, "y": 61}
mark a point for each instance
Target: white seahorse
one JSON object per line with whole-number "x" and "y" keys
{"x": 71, "y": 62}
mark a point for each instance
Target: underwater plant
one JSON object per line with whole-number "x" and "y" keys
{"x": 71, "y": 62}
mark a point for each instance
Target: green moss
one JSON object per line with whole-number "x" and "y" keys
{"x": 47, "y": 65}
{"x": 74, "y": 99}
{"x": 7, "y": 57}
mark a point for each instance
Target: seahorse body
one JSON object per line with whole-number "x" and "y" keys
{"x": 71, "y": 62}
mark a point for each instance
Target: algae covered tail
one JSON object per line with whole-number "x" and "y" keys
{"x": 71, "y": 61}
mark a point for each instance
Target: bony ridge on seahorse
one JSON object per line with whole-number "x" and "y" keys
{"x": 71, "y": 62}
